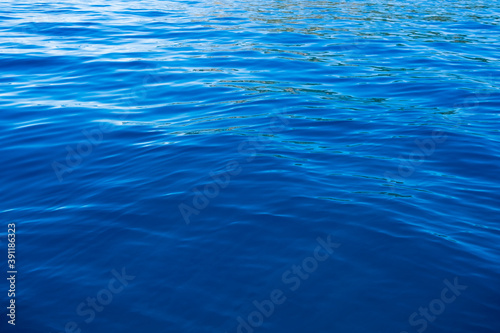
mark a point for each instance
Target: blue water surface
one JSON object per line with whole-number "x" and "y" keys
{"x": 251, "y": 166}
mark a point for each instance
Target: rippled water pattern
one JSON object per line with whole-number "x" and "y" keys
{"x": 211, "y": 150}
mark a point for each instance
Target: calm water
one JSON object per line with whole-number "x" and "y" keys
{"x": 251, "y": 166}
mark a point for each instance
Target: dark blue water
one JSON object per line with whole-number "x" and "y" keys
{"x": 251, "y": 166}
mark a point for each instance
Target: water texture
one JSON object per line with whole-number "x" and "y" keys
{"x": 251, "y": 166}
